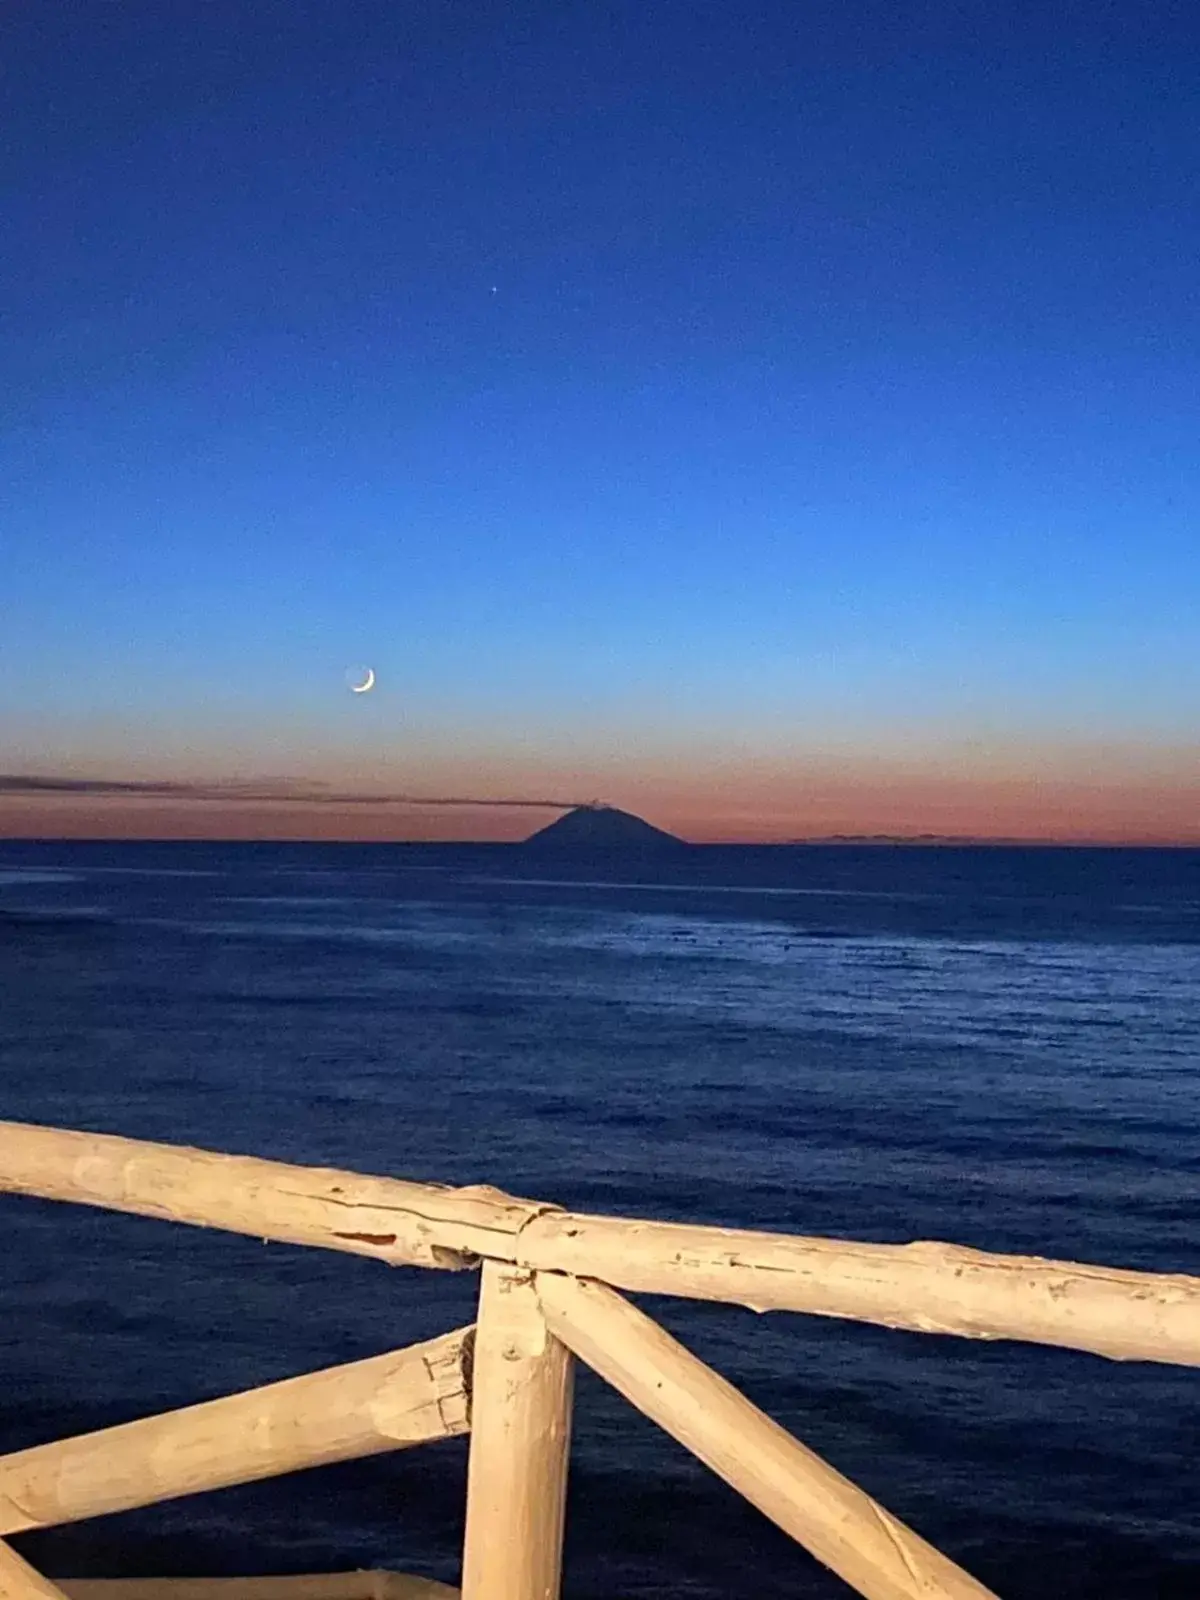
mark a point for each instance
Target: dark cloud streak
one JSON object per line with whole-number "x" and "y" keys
{"x": 26, "y": 784}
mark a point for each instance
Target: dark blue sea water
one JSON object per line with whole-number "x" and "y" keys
{"x": 996, "y": 1047}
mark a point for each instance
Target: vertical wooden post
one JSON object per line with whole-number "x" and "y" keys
{"x": 520, "y": 1439}
{"x": 20, "y": 1581}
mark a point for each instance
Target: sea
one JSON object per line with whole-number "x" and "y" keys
{"x": 997, "y": 1047}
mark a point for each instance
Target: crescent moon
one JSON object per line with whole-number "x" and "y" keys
{"x": 367, "y": 683}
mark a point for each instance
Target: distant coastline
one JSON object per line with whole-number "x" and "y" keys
{"x": 938, "y": 841}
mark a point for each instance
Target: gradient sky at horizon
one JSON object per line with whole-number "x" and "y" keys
{"x": 777, "y": 419}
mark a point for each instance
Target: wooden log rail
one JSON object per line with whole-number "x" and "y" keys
{"x": 318, "y": 1586}
{"x": 548, "y": 1295}
{"x": 927, "y": 1287}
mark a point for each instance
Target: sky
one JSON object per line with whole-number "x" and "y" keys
{"x": 778, "y": 419}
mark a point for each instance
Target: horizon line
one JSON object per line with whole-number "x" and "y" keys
{"x": 823, "y": 841}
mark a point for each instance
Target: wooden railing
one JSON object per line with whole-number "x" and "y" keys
{"x": 548, "y": 1294}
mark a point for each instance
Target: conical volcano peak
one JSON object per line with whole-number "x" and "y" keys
{"x": 598, "y": 828}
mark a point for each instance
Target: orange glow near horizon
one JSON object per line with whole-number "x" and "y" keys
{"x": 760, "y": 803}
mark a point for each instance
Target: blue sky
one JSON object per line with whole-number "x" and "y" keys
{"x": 693, "y": 377}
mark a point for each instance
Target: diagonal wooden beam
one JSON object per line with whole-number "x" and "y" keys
{"x": 841, "y": 1525}
{"x": 20, "y": 1581}
{"x": 384, "y": 1403}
